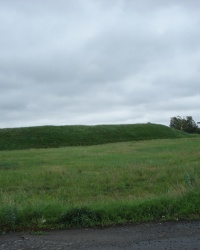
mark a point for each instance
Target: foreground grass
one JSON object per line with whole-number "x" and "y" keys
{"x": 100, "y": 185}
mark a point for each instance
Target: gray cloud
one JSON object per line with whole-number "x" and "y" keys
{"x": 91, "y": 62}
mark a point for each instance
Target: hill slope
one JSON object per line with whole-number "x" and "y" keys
{"x": 59, "y": 136}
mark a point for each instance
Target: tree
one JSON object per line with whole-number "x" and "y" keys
{"x": 185, "y": 124}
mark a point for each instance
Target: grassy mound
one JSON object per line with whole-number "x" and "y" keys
{"x": 60, "y": 136}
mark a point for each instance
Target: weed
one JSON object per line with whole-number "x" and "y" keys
{"x": 80, "y": 217}
{"x": 8, "y": 217}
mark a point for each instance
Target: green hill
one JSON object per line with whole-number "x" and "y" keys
{"x": 59, "y": 136}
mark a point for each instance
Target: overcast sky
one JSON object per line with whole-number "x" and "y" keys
{"x": 66, "y": 62}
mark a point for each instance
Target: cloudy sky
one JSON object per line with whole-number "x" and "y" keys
{"x": 87, "y": 62}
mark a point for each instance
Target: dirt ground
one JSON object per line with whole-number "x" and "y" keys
{"x": 167, "y": 235}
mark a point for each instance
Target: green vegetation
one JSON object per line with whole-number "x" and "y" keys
{"x": 100, "y": 185}
{"x": 187, "y": 124}
{"x": 60, "y": 136}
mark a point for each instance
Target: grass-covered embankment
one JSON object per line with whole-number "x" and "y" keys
{"x": 61, "y": 136}
{"x": 100, "y": 185}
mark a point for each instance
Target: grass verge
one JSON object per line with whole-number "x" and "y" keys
{"x": 158, "y": 209}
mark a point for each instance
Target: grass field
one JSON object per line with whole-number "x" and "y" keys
{"x": 60, "y": 136}
{"x": 100, "y": 185}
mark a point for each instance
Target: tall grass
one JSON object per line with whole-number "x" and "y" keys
{"x": 100, "y": 185}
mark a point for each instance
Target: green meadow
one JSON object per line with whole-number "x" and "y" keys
{"x": 100, "y": 185}
{"x": 61, "y": 136}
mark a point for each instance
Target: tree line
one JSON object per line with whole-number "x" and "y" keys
{"x": 186, "y": 124}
